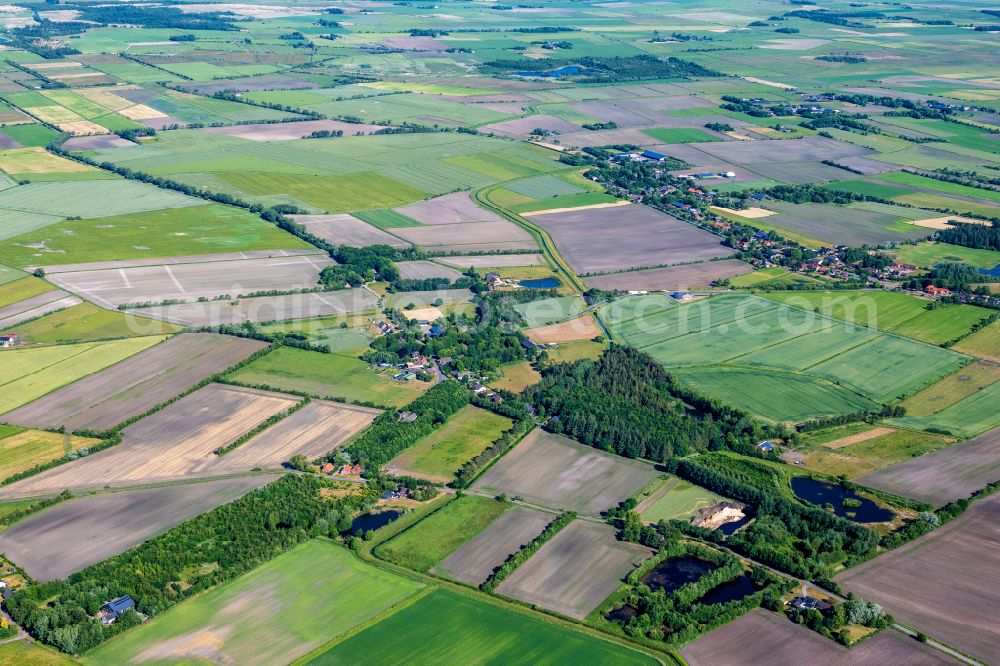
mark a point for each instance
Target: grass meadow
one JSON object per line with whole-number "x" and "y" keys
{"x": 86, "y": 322}
{"x": 23, "y": 449}
{"x": 675, "y": 499}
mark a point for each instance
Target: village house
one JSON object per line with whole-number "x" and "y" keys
{"x": 110, "y": 611}
{"x": 9, "y": 340}
{"x": 937, "y": 291}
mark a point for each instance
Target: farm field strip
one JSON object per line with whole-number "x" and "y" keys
{"x": 263, "y": 308}
{"x": 36, "y": 306}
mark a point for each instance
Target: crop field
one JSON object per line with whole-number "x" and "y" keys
{"x": 435, "y": 537}
{"x": 27, "y": 374}
{"x": 23, "y": 449}
{"x": 575, "y": 571}
{"x": 966, "y": 418}
{"x": 455, "y": 208}
{"x": 550, "y": 310}
{"x": 83, "y": 322}
{"x": 683, "y": 277}
{"x": 163, "y": 233}
{"x": 581, "y": 328}
{"x": 439, "y": 455}
{"x": 555, "y": 471}
{"x": 680, "y": 135}
{"x": 309, "y": 610}
{"x": 27, "y": 162}
{"x": 984, "y": 343}
{"x": 798, "y": 361}
{"x": 327, "y": 376}
{"x": 953, "y": 601}
{"x": 842, "y": 224}
{"x": 177, "y": 442}
{"x": 938, "y": 478}
{"x": 35, "y": 306}
{"x": 675, "y": 499}
{"x": 924, "y": 197}
{"x": 104, "y": 525}
{"x": 263, "y": 308}
{"x": 346, "y": 229}
{"x": 421, "y": 270}
{"x": 766, "y": 637}
{"x": 640, "y": 236}
{"x": 929, "y": 254}
{"x": 865, "y": 452}
{"x": 477, "y": 558}
{"x": 953, "y": 388}
{"x": 468, "y": 237}
{"x": 189, "y": 278}
{"x": 131, "y": 387}
{"x": 289, "y": 131}
{"x": 455, "y": 628}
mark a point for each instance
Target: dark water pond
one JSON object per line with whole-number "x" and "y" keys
{"x": 540, "y": 283}
{"x": 729, "y": 528}
{"x": 677, "y": 571}
{"x": 373, "y": 521}
{"x": 994, "y": 272}
{"x": 623, "y": 614}
{"x": 568, "y": 70}
{"x": 731, "y": 590}
{"x": 820, "y": 493}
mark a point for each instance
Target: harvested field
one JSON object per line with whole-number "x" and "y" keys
{"x": 291, "y": 131}
{"x": 423, "y": 314}
{"x": 137, "y": 384}
{"x": 36, "y": 306}
{"x": 806, "y": 149}
{"x": 235, "y": 275}
{"x": 943, "y": 222}
{"x": 454, "y": 208}
{"x": 96, "y": 142}
{"x": 346, "y": 229}
{"x": 469, "y": 236}
{"x": 764, "y": 637}
{"x": 40, "y": 161}
{"x": 555, "y": 471}
{"x": 858, "y": 438}
{"x": 476, "y": 559}
{"x": 581, "y": 328}
{"x": 945, "y": 476}
{"x": 751, "y": 213}
{"x": 21, "y": 450}
{"x": 177, "y": 442}
{"x": 264, "y": 308}
{"x": 101, "y": 526}
{"x": 683, "y": 277}
{"x": 575, "y": 571}
{"x": 937, "y": 581}
{"x": 521, "y": 128}
{"x": 608, "y": 240}
{"x": 494, "y": 261}
{"x": 420, "y": 270}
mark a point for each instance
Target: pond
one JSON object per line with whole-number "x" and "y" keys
{"x": 730, "y": 528}
{"x": 731, "y": 590}
{"x": 993, "y": 272}
{"x": 677, "y": 571}
{"x": 820, "y": 493}
{"x": 540, "y": 283}
{"x": 568, "y": 70}
{"x": 373, "y": 521}
{"x": 623, "y": 614}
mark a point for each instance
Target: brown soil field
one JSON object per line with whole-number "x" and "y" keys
{"x": 74, "y": 534}
{"x": 454, "y": 208}
{"x": 615, "y": 239}
{"x": 96, "y": 142}
{"x": 806, "y": 149}
{"x": 762, "y": 637}
{"x": 189, "y": 281}
{"x": 581, "y": 328}
{"x": 522, "y": 127}
{"x": 135, "y": 385}
{"x": 575, "y": 571}
{"x": 494, "y": 261}
{"x": 941, "y": 581}
{"x": 945, "y": 476}
{"x": 684, "y": 277}
{"x": 626, "y": 135}
{"x": 345, "y": 229}
{"x": 291, "y": 131}
{"x": 314, "y": 430}
{"x": 419, "y": 270}
{"x": 860, "y": 437}
{"x": 36, "y": 306}
{"x": 176, "y": 442}
{"x": 476, "y": 559}
{"x": 264, "y": 308}
{"x": 469, "y": 236}
{"x": 172, "y": 261}
{"x": 556, "y": 471}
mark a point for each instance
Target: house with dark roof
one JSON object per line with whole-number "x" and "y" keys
{"x": 111, "y": 610}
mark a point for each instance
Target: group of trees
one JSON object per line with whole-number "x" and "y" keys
{"x": 625, "y": 402}
{"x": 190, "y": 558}
{"x": 610, "y": 69}
{"x": 980, "y": 236}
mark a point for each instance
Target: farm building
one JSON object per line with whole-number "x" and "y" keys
{"x": 937, "y": 291}
{"x": 804, "y": 602}
{"x": 9, "y": 340}
{"x": 111, "y": 610}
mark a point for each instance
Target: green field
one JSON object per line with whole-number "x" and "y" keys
{"x": 351, "y": 341}
{"x": 21, "y": 289}
{"x": 327, "y": 376}
{"x": 23, "y": 449}
{"x": 86, "y": 321}
{"x": 26, "y": 374}
{"x": 439, "y": 455}
{"x": 308, "y": 596}
{"x": 680, "y": 135}
{"x": 966, "y": 418}
{"x": 550, "y": 310}
{"x": 517, "y": 377}
{"x": 928, "y": 255}
{"x": 676, "y": 499}
{"x": 163, "y": 233}
{"x": 772, "y": 277}
{"x": 905, "y": 178}
{"x": 25, "y": 653}
{"x": 854, "y": 460}
{"x": 542, "y": 187}
{"x": 435, "y": 537}
{"x": 449, "y": 628}
{"x": 386, "y": 218}
{"x": 984, "y": 343}
{"x": 8, "y": 274}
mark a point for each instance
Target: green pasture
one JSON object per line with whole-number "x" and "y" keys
{"x": 439, "y": 455}
{"x": 677, "y": 499}
{"x": 425, "y": 544}
{"x": 86, "y": 321}
{"x": 867, "y": 456}
{"x": 312, "y": 593}
{"x": 984, "y": 343}
{"x": 966, "y": 418}
{"x": 21, "y": 288}
{"x": 905, "y": 178}
{"x": 929, "y": 254}
{"x": 680, "y": 135}
{"x": 31, "y": 135}
{"x": 327, "y": 376}
{"x": 550, "y": 310}
{"x": 386, "y": 218}
{"x": 563, "y": 201}
{"x": 8, "y": 275}
{"x": 542, "y": 187}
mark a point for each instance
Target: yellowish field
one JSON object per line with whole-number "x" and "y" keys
{"x": 82, "y": 128}
{"x": 26, "y": 449}
{"x": 105, "y": 98}
{"x": 942, "y": 222}
{"x": 581, "y": 328}
{"x": 53, "y": 114}
{"x": 141, "y": 112}
{"x": 749, "y": 213}
{"x": 38, "y": 160}
{"x": 428, "y": 314}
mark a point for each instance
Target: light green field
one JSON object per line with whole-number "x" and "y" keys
{"x": 772, "y": 277}
{"x": 567, "y": 352}
{"x": 517, "y": 377}
{"x": 435, "y": 537}
{"x": 309, "y": 595}
{"x": 676, "y": 499}
{"x": 905, "y": 178}
{"x": 680, "y": 135}
{"x": 984, "y": 343}
{"x": 386, "y": 218}
{"x": 21, "y": 450}
{"x": 334, "y": 194}
{"x": 8, "y": 274}
{"x": 24, "y": 653}
{"x": 550, "y": 310}
{"x": 854, "y": 460}
{"x": 328, "y": 376}
{"x": 86, "y": 321}
{"x": 953, "y": 388}
{"x": 966, "y": 418}
{"x": 21, "y": 289}
{"x": 163, "y": 233}
{"x": 439, "y": 455}
{"x": 927, "y": 255}
{"x": 562, "y": 201}
{"x": 452, "y": 628}
{"x": 542, "y": 187}
{"x": 351, "y": 341}
{"x": 26, "y": 374}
